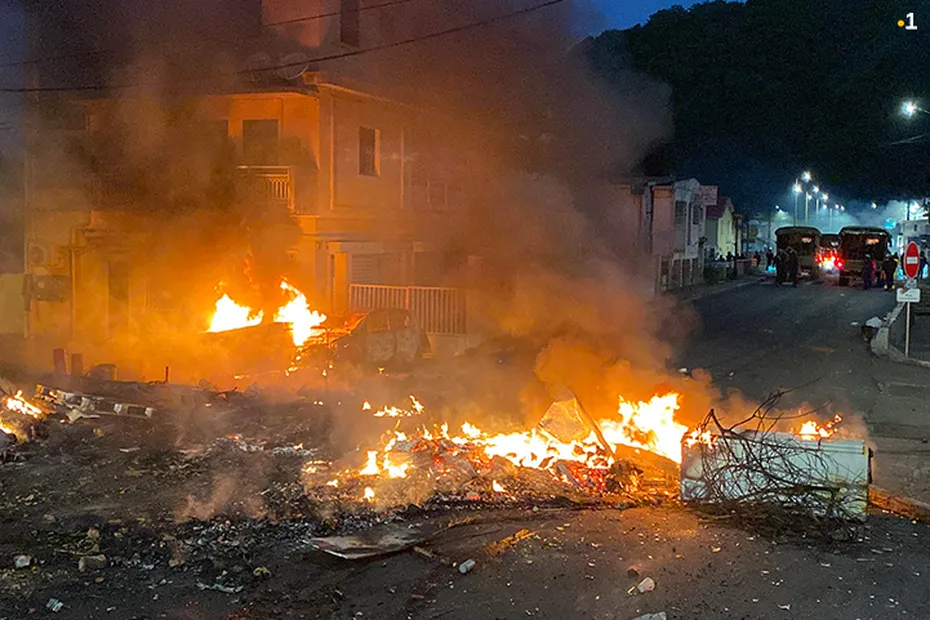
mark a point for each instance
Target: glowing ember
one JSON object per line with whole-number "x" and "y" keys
{"x": 297, "y": 313}
{"x": 6, "y": 429}
{"x": 369, "y": 493}
{"x": 366, "y": 406}
{"x": 333, "y": 483}
{"x": 18, "y": 404}
{"x": 498, "y": 487}
{"x": 230, "y": 315}
{"x": 811, "y": 430}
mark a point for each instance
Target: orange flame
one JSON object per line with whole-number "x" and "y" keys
{"x": 812, "y": 430}
{"x": 230, "y": 315}
{"x": 297, "y": 313}
{"x": 18, "y": 404}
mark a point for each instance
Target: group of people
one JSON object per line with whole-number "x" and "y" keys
{"x": 882, "y": 275}
{"x": 787, "y": 265}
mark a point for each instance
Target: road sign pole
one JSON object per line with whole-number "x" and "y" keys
{"x": 907, "y": 333}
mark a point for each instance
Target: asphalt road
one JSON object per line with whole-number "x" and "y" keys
{"x": 761, "y": 338}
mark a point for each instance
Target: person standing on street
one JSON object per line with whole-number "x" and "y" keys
{"x": 793, "y": 266}
{"x": 868, "y": 270}
{"x": 889, "y": 267}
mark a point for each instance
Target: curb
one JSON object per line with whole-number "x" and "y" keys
{"x": 899, "y": 504}
{"x": 881, "y": 345}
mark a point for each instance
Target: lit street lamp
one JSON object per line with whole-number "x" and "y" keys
{"x": 806, "y": 176}
{"x": 797, "y": 193}
{"x": 910, "y": 109}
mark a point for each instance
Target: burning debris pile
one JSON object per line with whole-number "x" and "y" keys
{"x": 20, "y": 420}
{"x": 567, "y": 454}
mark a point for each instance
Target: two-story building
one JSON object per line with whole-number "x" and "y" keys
{"x": 352, "y": 187}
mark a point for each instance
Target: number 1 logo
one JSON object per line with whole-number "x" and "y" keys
{"x": 909, "y": 23}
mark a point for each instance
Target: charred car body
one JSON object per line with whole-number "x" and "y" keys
{"x": 381, "y": 338}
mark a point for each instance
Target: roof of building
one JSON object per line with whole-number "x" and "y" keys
{"x": 716, "y": 211}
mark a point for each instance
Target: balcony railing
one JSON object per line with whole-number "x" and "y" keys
{"x": 270, "y": 185}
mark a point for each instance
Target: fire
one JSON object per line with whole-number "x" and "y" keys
{"x": 397, "y": 412}
{"x": 18, "y": 404}
{"x": 646, "y": 425}
{"x": 650, "y": 426}
{"x": 369, "y": 493}
{"x": 297, "y": 313}
{"x": 230, "y": 315}
{"x": 811, "y": 430}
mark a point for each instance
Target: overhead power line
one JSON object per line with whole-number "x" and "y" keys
{"x": 268, "y": 25}
{"x": 348, "y": 54}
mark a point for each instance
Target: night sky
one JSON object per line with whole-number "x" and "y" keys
{"x": 626, "y": 13}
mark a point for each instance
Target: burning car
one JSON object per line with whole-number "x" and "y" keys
{"x": 380, "y": 338}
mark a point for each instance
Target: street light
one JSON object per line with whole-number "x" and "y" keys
{"x": 797, "y": 193}
{"x": 910, "y": 108}
{"x": 806, "y": 176}
{"x": 874, "y": 206}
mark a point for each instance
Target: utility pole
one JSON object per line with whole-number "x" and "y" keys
{"x": 807, "y": 199}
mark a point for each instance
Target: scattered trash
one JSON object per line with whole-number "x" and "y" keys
{"x": 92, "y": 562}
{"x": 874, "y": 322}
{"x": 659, "y": 616}
{"x": 632, "y": 573}
{"x": 130, "y": 450}
{"x": 785, "y": 607}
{"x": 261, "y": 571}
{"x": 54, "y": 604}
{"x": 220, "y": 588}
{"x": 646, "y": 585}
{"x": 854, "y": 324}
{"x": 500, "y": 546}
{"x": 22, "y": 561}
{"x": 467, "y": 566}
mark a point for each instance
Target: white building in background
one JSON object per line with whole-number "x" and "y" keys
{"x": 691, "y": 201}
{"x": 917, "y": 231}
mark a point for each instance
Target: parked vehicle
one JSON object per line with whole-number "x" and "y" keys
{"x": 855, "y": 243}
{"x": 806, "y": 242}
{"x": 829, "y": 252}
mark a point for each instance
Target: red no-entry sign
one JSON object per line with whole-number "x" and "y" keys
{"x": 911, "y": 260}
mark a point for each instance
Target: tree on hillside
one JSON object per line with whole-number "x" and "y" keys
{"x": 765, "y": 87}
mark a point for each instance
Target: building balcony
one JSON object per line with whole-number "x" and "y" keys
{"x": 266, "y": 185}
